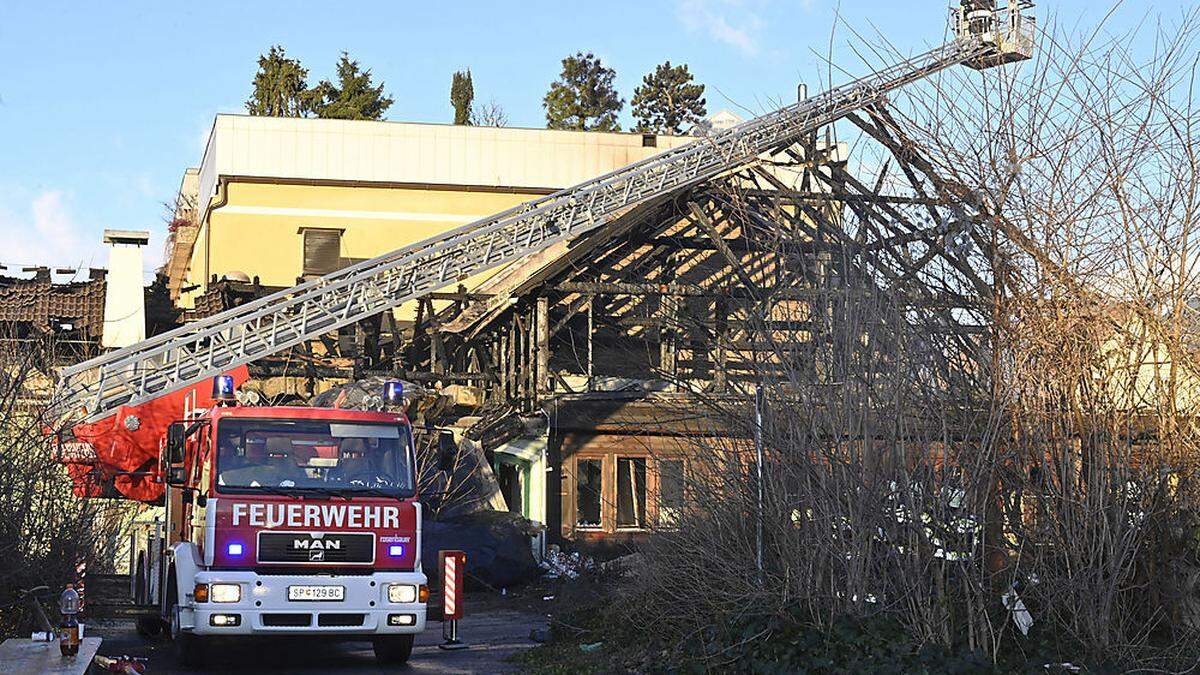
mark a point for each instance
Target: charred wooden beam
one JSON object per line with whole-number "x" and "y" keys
{"x": 735, "y": 263}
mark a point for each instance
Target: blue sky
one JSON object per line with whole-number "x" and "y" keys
{"x": 103, "y": 104}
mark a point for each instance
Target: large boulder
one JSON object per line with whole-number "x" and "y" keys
{"x": 498, "y": 545}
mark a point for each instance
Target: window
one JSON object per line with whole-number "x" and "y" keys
{"x": 649, "y": 141}
{"x": 670, "y": 490}
{"x": 631, "y": 492}
{"x": 588, "y": 476}
{"x": 322, "y": 251}
{"x": 510, "y": 479}
{"x": 322, "y": 457}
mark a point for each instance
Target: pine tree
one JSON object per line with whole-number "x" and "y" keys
{"x": 667, "y": 100}
{"x": 583, "y": 98}
{"x": 462, "y": 95}
{"x": 280, "y": 86}
{"x": 353, "y": 97}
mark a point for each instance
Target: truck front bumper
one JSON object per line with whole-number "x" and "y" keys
{"x": 264, "y": 607}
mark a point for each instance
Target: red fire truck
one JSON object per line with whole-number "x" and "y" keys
{"x": 281, "y": 521}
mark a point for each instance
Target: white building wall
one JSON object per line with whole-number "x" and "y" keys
{"x": 406, "y": 152}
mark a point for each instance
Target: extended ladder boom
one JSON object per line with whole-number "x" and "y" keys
{"x": 167, "y": 362}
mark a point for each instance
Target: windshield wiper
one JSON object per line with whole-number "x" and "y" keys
{"x": 299, "y": 492}
{"x": 378, "y": 492}
{"x": 328, "y": 492}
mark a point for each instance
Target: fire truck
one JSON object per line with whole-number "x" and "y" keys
{"x": 287, "y": 521}
{"x": 283, "y": 521}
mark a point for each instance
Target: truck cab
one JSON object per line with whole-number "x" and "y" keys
{"x": 287, "y": 521}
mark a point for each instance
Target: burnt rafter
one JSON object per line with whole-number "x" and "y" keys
{"x": 793, "y": 266}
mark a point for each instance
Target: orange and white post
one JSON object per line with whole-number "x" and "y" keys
{"x": 454, "y": 572}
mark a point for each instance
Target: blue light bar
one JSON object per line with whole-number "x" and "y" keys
{"x": 393, "y": 391}
{"x": 223, "y": 388}
{"x": 396, "y": 550}
{"x": 235, "y": 550}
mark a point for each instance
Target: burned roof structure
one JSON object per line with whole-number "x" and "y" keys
{"x": 626, "y": 340}
{"x": 38, "y": 306}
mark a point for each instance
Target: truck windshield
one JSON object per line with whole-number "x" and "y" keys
{"x": 314, "y": 456}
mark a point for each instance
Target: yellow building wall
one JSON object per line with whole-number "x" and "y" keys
{"x": 257, "y": 231}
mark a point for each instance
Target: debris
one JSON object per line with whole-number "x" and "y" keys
{"x": 547, "y": 597}
{"x": 496, "y": 543}
{"x": 570, "y": 565}
{"x": 1020, "y": 614}
{"x": 591, "y": 648}
{"x": 631, "y": 564}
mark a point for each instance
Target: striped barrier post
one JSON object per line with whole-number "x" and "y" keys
{"x": 454, "y": 572}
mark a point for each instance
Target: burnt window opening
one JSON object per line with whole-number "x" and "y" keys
{"x": 670, "y": 490}
{"x": 631, "y": 492}
{"x": 588, "y": 479}
{"x": 322, "y": 251}
{"x": 511, "y": 486}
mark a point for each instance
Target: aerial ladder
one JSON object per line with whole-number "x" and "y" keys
{"x": 112, "y": 391}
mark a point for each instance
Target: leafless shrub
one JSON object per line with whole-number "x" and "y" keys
{"x": 936, "y": 465}
{"x": 45, "y": 531}
{"x": 490, "y": 114}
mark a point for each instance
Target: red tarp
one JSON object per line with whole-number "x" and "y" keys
{"x": 127, "y": 444}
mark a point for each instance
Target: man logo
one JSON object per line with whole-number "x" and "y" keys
{"x": 316, "y": 545}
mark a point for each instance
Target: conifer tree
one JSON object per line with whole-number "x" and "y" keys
{"x": 583, "y": 97}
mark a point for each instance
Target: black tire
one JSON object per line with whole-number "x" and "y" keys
{"x": 392, "y": 650}
{"x": 139, "y": 582}
{"x": 189, "y": 649}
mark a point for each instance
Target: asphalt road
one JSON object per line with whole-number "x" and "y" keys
{"x": 493, "y": 635}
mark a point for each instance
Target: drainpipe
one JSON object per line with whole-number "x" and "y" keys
{"x": 206, "y": 223}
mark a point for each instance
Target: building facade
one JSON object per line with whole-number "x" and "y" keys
{"x": 284, "y": 199}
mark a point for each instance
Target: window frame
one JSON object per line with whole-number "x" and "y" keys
{"x": 337, "y": 263}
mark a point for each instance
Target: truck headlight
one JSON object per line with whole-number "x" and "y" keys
{"x": 225, "y": 592}
{"x": 402, "y": 593}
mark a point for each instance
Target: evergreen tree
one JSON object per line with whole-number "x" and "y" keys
{"x": 667, "y": 100}
{"x": 353, "y": 97}
{"x": 462, "y": 95}
{"x": 583, "y": 98}
{"x": 280, "y": 87}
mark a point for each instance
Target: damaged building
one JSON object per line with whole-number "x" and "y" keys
{"x": 586, "y": 373}
{"x": 82, "y": 311}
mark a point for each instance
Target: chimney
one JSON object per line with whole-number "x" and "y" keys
{"x": 124, "y": 296}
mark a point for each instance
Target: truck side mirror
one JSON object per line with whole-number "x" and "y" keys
{"x": 176, "y": 435}
{"x": 447, "y": 451}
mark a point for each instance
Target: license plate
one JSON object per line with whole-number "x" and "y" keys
{"x": 316, "y": 593}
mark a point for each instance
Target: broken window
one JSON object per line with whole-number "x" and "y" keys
{"x": 322, "y": 251}
{"x": 670, "y": 490}
{"x": 588, "y": 477}
{"x": 631, "y": 492}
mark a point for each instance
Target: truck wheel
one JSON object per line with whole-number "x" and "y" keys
{"x": 189, "y": 649}
{"x": 392, "y": 649}
{"x": 139, "y": 583}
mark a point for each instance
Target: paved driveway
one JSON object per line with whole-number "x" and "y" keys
{"x": 493, "y": 635}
